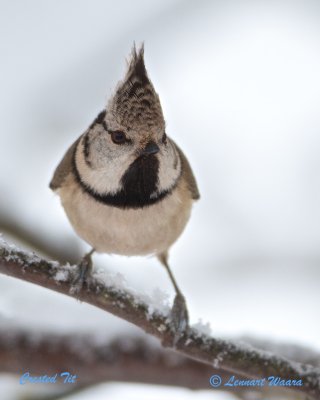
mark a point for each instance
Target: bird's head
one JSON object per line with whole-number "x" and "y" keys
{"x": 125, "y": 156}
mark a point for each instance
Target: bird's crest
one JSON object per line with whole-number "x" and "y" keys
{"x": 136, "y": 103}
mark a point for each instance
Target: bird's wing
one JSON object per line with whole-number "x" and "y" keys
{"x": 64, "y": 168}
{"x": 188, "y": 174}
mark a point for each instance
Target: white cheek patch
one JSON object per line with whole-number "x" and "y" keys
{"x": 104, "y": 175}
{"x": 169, "y": 168}
{"x": 107, "y": 166}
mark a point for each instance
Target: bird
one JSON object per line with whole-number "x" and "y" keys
{"x": 126, "y": 187}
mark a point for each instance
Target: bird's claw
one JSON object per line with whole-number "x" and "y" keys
{"x": 82, "y": 275}
{"x": 179, "y": 317}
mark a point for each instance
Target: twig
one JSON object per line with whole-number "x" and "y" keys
{"x": 226, "y": 355}
{"x": 129, "y": 359}
{"x": 126, "y": 359}
{"x": 66, "y": 250}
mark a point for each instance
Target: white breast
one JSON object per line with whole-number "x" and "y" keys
{"x": 108, "y": 229}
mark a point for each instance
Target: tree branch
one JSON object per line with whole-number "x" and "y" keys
{"x": 126, "y": 359}
{"x": 68, "y": 249}
{"x": 226, "y": 355}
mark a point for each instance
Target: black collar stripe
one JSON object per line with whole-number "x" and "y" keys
{"x": 124, "y": 199}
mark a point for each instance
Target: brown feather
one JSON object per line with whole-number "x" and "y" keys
{"x": 64, "y": 168}
{"x": 187, "y": 174}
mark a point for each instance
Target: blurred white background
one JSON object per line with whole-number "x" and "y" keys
{"x": 240, "y": 87}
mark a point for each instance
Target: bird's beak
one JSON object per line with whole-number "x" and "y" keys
{"x": 151, "y": 148}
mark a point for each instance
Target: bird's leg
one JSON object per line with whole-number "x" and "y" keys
{"x": 85, "y": 268}
{"x": 179, "y": 311}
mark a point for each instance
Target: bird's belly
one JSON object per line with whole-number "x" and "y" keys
{"x": 150, "y": 230}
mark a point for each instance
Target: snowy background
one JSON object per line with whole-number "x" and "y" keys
{"x": 240, "y": 87}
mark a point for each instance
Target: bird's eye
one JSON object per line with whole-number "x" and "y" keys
{"x": 164, "y": 138}
{"x": 118, "y": 137}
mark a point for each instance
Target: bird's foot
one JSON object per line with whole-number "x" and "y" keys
{"x": 82, "y": 275}
{"x": 179, "y": 317}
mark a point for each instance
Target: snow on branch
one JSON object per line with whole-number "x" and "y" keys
{"x": 228, "y": 356}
